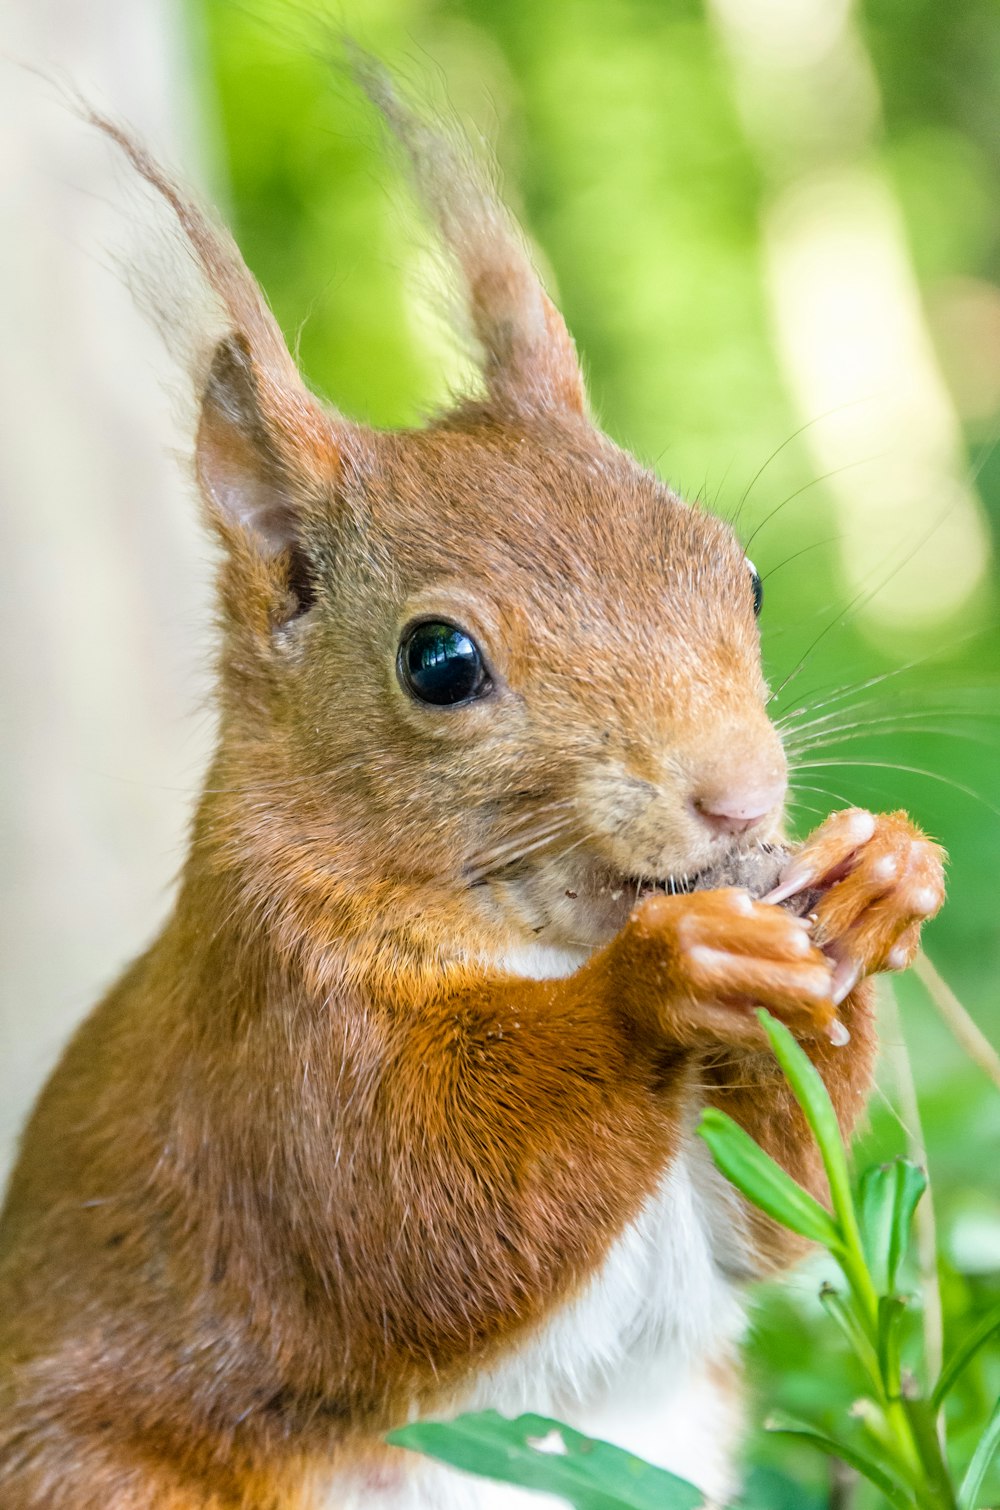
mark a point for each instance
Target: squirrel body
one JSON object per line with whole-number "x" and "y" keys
{"x": 396, "y": 1115}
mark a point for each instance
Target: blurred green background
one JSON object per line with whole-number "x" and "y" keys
{"x": 774, "y": 229}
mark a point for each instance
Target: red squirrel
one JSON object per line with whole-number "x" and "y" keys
{"x": 395, "y": 1117}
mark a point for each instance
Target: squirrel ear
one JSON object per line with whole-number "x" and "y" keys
{"x": 529, "y": 360}
{"x": 244, "y": 477}
{"x": 264, "y": 442}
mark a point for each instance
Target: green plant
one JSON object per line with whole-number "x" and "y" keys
{"x": 537, "y": 1453}
{"x": 894, "y": 1436}
{"x": 897, "y": 1437}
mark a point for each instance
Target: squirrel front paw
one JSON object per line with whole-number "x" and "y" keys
{"x": 879, "y": 879}
{"x": 701, "y": 963}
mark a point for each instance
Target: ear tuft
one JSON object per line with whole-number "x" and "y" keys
{"x": 264, "y": 443}
{"x": 529, "y": 360}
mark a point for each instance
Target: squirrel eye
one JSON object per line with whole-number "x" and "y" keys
{"x": 758, "y": 588}
{"x": 438, "y": 663}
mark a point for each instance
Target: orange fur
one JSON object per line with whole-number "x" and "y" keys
{"x": 321, "y": 1157}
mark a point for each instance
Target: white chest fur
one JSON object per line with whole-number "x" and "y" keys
{"x": 637, "y": 1359}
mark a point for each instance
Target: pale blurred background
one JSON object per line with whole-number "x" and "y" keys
{"x": 774, "y": 226}
{"x": 104, "y": 615}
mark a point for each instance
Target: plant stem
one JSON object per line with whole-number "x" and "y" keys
{"x": 897, "y": 1054}
{"x": 968, "y": 1033}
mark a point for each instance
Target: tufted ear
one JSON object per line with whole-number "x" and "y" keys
{"x": 242, "y": 459}
{"x": 265, "y": 446}
{"x": 528, "y": 357}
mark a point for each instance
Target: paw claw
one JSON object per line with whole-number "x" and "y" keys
{"x": 846, "y": 974}
{"x": 838, "y": 1034}
{"x": 796, "y": 878}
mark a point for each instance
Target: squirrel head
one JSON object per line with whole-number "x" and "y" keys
{"x": 481, "y": 683}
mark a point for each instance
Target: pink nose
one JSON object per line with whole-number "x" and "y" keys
{"x": 735, "y": 812}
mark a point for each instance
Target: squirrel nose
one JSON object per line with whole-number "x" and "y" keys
{"x": 733, "y": 812}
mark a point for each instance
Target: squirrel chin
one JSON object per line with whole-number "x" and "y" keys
{"x": 584, "y": 906}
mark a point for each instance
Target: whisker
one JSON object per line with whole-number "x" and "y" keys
{"x": 814, "y": 482}
{"x": 861, "y": 598}
{"x": 846, "y": 689}
{"x": 808, "y": 425}
{"x": 514, "y": 833}
{"x": 876, "y": 712}
{"x": 816, "y": 545}
{"x": 510, "y": 854}
{"x": 805, "y": 807}
{"x": 878, "y": 728}
{"x": 569, "y": 848}
{"x": 933, "y": 700}
{"x": 514, "y": 841}
{"x": 822, "y": 791}
{"x": 912, "y": 770}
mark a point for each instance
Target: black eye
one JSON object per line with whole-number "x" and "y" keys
{"x": 758, "y": 588}
{"x": 440, "y": 664}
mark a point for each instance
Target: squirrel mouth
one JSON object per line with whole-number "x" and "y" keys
{"x": 751, "y": 867}
{"x": 639, "y": 887}
{"x": 605, "y": 894}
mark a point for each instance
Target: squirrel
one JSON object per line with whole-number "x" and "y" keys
{"x": 396, "y": 1116}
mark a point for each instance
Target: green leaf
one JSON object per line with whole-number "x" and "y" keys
{"x": 537, "y": 1453}
{"x": 964, "y": 1354}
{"x": 887, "y": 1200}
{"x": 812, "y": 1095}
{"x": 814, "y": 1099}
{"x": 894, "y": 1493}
{"x": 890, "y": 1314}
{"x": 983, "y": 1456}
{"x": 763, "y": 1181}
{"x": 844, "y": 1315}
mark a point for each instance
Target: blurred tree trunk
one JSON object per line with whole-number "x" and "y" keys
{"x": 103, "y": 617}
